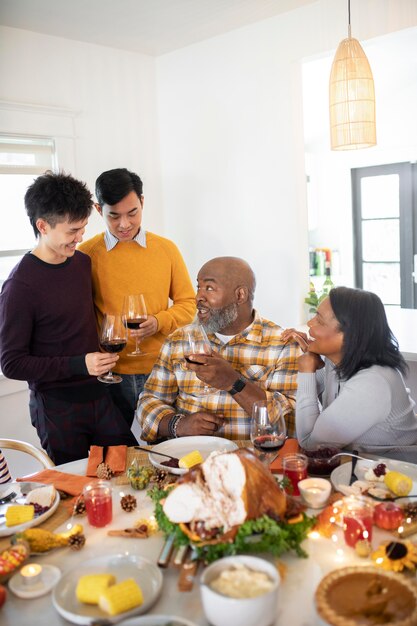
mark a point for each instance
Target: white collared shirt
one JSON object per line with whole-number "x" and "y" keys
{"x": 111, "y": 241}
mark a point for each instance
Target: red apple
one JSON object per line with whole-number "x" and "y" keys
{"x": 3, "y": 595}
{"x": 388, "y": 515}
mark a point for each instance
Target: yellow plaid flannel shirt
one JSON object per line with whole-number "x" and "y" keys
{"x": 257, "y": 354}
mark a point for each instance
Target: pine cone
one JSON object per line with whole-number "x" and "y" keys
{"x": 79, "y": 506}
{"x": 128, "y": 503}
{"x": 160, "y": 477}
{"x": 76, "y": 542}
{"x": 104, "y": 471}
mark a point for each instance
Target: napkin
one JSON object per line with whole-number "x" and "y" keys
{"x": 114, "y": 456}
{"x": 70, "y": 483}
{"x": 290, "y": 447}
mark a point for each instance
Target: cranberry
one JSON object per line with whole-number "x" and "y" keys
{"x": 380, "y": 470}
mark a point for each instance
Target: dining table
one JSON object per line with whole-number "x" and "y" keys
{"x": 300, "y": 576}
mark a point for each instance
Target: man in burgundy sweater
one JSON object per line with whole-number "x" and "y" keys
{"x": 48, "y": 333}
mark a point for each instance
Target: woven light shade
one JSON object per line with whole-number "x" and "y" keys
{"x": 352, "y": 98}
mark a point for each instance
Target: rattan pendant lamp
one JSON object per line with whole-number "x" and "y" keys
{"x": 352, "y": 97}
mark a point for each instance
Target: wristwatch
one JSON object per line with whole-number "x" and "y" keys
{"x": 237, "y": 386}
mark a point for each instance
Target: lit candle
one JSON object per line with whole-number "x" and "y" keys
{"x": 31, "y": 574}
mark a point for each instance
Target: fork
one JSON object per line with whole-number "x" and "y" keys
{"x": 8, "y": 498}
{"x": 390, "y": 498}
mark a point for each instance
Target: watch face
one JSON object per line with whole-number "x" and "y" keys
{"x": 237, "y": 386}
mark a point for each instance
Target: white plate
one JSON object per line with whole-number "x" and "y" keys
{"x": 158, "y": 620}
{"x": 122, "y": 566}
{"x": 340, "y": 476}
{"x": 22, "y": 489}
{"x": 183, "y": 445}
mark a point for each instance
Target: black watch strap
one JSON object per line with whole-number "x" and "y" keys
{"x": 238, "y": 385}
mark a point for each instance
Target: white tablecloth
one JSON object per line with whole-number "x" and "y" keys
{"x": 296, "y": 601}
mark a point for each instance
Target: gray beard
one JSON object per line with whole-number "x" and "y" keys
{"x": 221, "y": 318}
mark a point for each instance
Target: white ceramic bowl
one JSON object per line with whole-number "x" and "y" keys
{"x": 221, "y": 610}
{"x": 315, "y": 491}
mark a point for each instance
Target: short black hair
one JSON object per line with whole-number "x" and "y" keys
{"x": 367, "y": 338}
{"x": 56, "y": 197}
{"x": 114, "y": 185}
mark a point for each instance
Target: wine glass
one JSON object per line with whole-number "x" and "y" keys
{"x": 134, "y": 308}
{"x": 267, "y": 435}
{"x": 113, "y": 338}
{"x": 196, "y": 343}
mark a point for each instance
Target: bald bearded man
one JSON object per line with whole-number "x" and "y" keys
{"x": 249, "y": 363}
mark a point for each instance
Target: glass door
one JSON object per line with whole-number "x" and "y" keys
{"x": 384, "y": 228}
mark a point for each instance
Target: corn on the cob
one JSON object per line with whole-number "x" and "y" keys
{"x": 398, "y": 483}
{"x": 41, "y": 540}
{"x": 91, "y": 586}
{"x": 121, "y": 597}
{"x": 190, "y": 459}
{"x": 19, "y": 514}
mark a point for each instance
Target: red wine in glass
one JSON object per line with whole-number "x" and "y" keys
{"x": 115, "y": 345}
{"x": 113, "y": 339}
{"x": 135, "y": 323}
{"x": 267, "y": 435}
{"x": 196, "y": 344}
{"x": 194, "y": 360}
{"x": 268, "y": 443}
{"x": 134, "y": 310}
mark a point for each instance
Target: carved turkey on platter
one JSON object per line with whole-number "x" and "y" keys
{"x": 214, "y": 498}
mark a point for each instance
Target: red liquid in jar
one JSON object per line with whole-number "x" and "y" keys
{"x": 99, "y": 510}
{"x": 294, "y": 475}
{"x": 357, "y": 528}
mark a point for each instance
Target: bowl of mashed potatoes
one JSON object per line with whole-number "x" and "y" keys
{"x": 240, "y": 590}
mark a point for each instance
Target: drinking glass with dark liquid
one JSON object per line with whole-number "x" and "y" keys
{"x": 267, "y": 434}
{"x": 196, "y": 345}
{"x": 134, "y": 309}
{"x": 113, "y": 339}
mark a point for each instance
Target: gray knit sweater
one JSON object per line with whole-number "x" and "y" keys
{"x": 372, "y": 411}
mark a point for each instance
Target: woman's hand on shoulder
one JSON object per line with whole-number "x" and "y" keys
{"x": 291, "y": 334}
{"x": 309, "y": 362}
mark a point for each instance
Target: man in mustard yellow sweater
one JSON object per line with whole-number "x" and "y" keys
{"x": 127, "y": 260}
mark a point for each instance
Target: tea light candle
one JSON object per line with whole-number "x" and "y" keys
{"x": 31, "y": 574}
{"x": 315, "y": 491}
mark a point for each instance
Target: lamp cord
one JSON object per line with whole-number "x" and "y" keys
{"x": 349, "y": 29}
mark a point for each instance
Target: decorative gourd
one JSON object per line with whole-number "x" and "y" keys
{"x": 139, "y": 476}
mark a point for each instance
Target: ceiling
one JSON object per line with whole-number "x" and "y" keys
{"x": 150, "y": 27}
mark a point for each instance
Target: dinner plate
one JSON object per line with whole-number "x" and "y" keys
{"x": 22, "y": 489}
{"x": 341, "y": 475}
{"x": 123, "y": 565}
{"x": 183, "y": 445}
{"x": 158, "y": 620}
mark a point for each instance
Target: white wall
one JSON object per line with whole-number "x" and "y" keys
{"x": 393, "y": 59}
{"x": 231, "y": 140}
{"x": 99, "y": 102}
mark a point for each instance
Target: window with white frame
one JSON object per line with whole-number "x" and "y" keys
{"x": 22, "y": 159}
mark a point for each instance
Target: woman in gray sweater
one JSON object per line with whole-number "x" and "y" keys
{"x": 355, "y": 397}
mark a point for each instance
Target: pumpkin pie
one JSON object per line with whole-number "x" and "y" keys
{"x": 365, "y": 596}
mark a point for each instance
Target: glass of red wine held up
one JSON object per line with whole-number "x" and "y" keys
{"x": 267, "y": 434}
{"x": 134, "y": 309}
{"x": 113, "y": 339}
{"x": 196, "y": 345}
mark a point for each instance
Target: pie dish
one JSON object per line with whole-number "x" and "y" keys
{"x": 365, "y": 596}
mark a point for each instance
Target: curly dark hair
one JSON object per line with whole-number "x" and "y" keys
{"x": 56, "y": 197}
{"x": 114, "y": 185}
{"x": 367, "y": 338}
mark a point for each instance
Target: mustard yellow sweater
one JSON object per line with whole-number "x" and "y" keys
{"x": 159, "y": 272}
